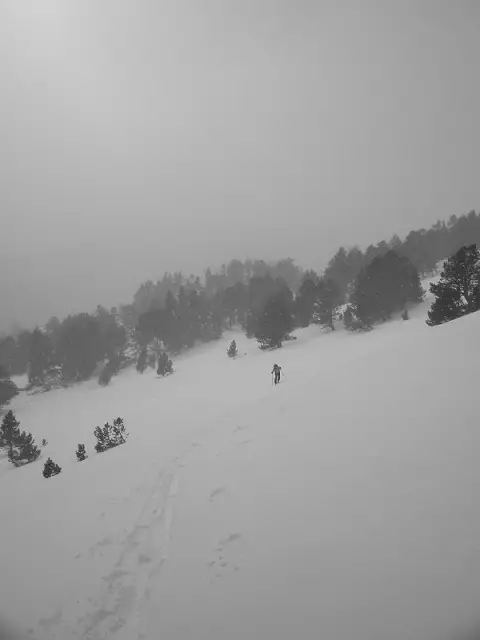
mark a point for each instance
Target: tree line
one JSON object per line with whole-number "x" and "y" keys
{"x": 267, "y": 300}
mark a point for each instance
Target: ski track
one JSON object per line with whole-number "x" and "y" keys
{"x": 125, "y": 592}
{"x": 118, "y": 612}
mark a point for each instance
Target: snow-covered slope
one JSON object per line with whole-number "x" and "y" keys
{"x": 342, "y": 504}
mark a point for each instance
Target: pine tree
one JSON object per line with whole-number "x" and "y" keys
{"x": 102, "y": 438}
{"x": 327, "y": 298}
{"x": 164, "y": 365}
{"x": 305, "y": 301}
{"x": 118, "y": 432}
{"x": 105, "y": 376}
{"x": 51, "y": 469}
{"x": 352, "y": 322}
{"x": 275, "y": 322}
{"x": 142, "y": 360}
{"x": 8, "y": 389}
{"x": 9, "y": 432}
{"x": 109, "y": 370}
{"x": 111, "y": 435}
{"x": 81, "y": 453}
{"x": 40, "y": 357}
{"x": 384, "y": 286}
{"x": 24, "y": 450}
{"x": 458, "y": 292}
{"x": 232, "y": 350}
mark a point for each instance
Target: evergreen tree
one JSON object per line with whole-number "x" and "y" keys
{"x": 458, "y": 292}
{"x": 102, "y": 436}
{"x": 8, "y": 349}
{"x": 40, "y": 357}
{"x": 164, "y": 365}
{"x": 109, "y": 370}
{"x": 234, "y": 301}
{"x": 9, "y": 432}
{"x": 81, "y": 453}
{"x": 8, "y": 389}
{"x": 343, "y": 268}
{"x": 51, "y": 469}
{"x": 80, "y": 346}
{"x": 23, "y": 450}
{"x": 305, "y": 301}
{"x": 232, "y": 349}
{"x": 384, "y": 286}
{"x": 235, "y": 272}
{"x": 142, "y": 360}
{"x": 118, "y": 433}
{"x": 275, "y": 322}
{"x": 327, "y": 297}
{"x": 352, "y": 322}
{"x": 110, "y": 436}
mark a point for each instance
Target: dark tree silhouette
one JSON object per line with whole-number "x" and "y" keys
{"x": 232, "y": 350}
{"x": 40, "y": 357}
{"x": 305, "y": 301}
{"x": 142, "y": 360}
{"x": 51, "y": 469}
{"x": 384, "y": 286}
{"x": 81, "y": 453}
{"x": 9, "y": 432}
{"x": 8, "y": 389}
{"x": 458, "y": 292}
{"x": 327, "y": 297}
{"x": 23, "y": 450}
{"x": 275, "y": 322}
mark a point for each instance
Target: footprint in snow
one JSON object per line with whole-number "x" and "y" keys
{"x": 227, "y": 554}
{"x": 240, "y": 428}
{"x": 216, "y": 493}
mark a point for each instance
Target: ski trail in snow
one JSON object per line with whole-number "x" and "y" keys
{"x": 118, "y": 613}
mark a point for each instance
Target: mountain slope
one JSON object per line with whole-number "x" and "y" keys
{"x": 340, "y": 504}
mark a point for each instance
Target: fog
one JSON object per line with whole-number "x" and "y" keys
{"x": 139, "y": 137}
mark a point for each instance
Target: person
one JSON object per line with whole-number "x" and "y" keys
{"x": 276, "y": 370}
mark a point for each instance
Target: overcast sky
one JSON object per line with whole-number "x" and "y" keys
{"x": 141, "y": 136}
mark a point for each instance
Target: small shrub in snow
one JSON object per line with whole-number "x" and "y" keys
{"x": 44, "y": 443}
{"x": 110, "y": 436}
{"x": 81, "y": 453}
{"x": 51, "y": 469}
{"x": 232, "y": 350}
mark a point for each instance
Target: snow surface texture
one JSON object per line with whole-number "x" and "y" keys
{"x": 340, "y": 505}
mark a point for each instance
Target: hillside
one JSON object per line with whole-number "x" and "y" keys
{"x": 340, "y": 505}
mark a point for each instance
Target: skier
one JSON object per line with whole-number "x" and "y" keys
{"x": 276, "y": 370}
